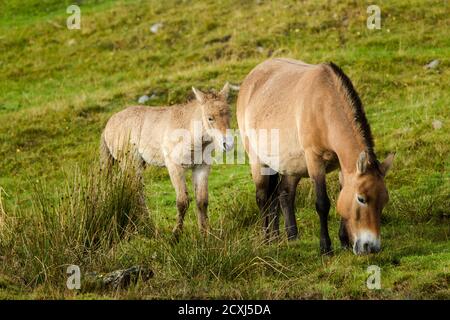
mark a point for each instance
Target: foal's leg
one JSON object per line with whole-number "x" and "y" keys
{"x": 200, "y": 181}
{"x": 287, "y": 191}
{"x": 316, "y": 170}
{"x": 178, "y": 179}
{"x": 266, "y": 199}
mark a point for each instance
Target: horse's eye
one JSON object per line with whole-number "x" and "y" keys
{"x": 361, "y": 199}
{"x": 210, "y": 119}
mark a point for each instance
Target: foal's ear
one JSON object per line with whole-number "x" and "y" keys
{"x": 225, "y": 91}
{"x": 387, "y": 163}
{"x": 362, "y": 162}
{"x": 200, "y": 96}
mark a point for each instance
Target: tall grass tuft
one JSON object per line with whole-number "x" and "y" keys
{"x": 81, "y": 223}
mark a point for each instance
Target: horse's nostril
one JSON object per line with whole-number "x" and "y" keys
{"x": 224, "y": 145}
{"x": 366, "y": 247}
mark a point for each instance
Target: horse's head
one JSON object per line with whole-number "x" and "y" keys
{"x": 216, "y": 116}
{"x": 361, "y": 200}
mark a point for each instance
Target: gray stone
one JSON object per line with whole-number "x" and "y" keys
{"x": 116, "y": 279}
{"x": 437, "y": 124}
{"x": 235, "y": 87}
{"x": 143, "y": 99}
{"x": 433, "y": 64}
{"x": 155, "y": 27}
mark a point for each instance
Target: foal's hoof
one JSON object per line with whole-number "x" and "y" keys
{"x": 176, "y": 233}
{"x": 292, "y": 237}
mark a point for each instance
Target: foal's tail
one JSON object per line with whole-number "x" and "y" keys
{"x": 106, "y": 159}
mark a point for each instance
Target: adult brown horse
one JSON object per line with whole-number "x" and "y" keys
{"x": 321, "y": 127}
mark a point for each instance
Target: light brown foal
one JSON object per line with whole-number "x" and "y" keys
{"x": 179, "y": 137}
{"x": 322, "y": 126}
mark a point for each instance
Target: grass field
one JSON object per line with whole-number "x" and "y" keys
{"x": 58, "y": 87}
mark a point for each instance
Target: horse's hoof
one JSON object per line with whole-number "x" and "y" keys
{"x": 293, "y": 237}
{"x": 327, "y": 251}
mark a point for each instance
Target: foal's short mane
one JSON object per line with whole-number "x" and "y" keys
{"x": 209, "y": 95}
{"x": 359, "y": 120}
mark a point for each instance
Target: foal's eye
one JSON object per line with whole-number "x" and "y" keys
{"x": 210, "y": 119}
{"x": 361, "y": 199}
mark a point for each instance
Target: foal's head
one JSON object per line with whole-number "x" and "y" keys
{"x": 216, "y": 116}
{"x": 361, "y": 201}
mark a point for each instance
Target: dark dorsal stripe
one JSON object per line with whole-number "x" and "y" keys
{"x": 358, "y": 112}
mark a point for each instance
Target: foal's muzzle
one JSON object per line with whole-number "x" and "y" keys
{"x": 227, "y": 142}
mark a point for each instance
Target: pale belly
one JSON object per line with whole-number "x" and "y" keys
{"x": 183, "y": 154}
{"x": 286, "y": 162}
{"x": 291, "y": 160}
{"x": 152, "y": 155}
{"x": 279, "y": 149}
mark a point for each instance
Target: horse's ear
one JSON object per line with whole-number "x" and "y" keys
{"x": 225, "y": 91}
{"x": 387, "y": 163}
{"x": 362, "y": 162}
{"x": 200, "y": 96}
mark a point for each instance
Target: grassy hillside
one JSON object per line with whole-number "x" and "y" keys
{"x": 58, "y": 87}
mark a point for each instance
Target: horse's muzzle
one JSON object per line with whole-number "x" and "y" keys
{"x": 366, "y": 243}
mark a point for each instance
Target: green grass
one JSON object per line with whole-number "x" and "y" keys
{"x": 58, "y": 87}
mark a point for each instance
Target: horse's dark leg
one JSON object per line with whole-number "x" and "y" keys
{"x": 316, "y": 171}
{"x": 265, "y": 189}
{"x": 287, "y": 191}
{"x": 273, "y": 206}
{"x": 343, "y": 235}
{"x": 323, "y": 208}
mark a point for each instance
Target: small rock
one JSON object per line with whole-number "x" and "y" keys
{"x": 155, "y": 28}
{"x": 235, "y": 87}
{"x": 117, "y": 279}
{"x": 123, "y": 278}
{"x": 437, "y": 124}
{"x": 143, "y": 99}
{"x": 433, "y": 64}
{"x": 260, "y": 49}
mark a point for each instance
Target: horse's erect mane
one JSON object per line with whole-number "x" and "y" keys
{"x": 356, "y": 112}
